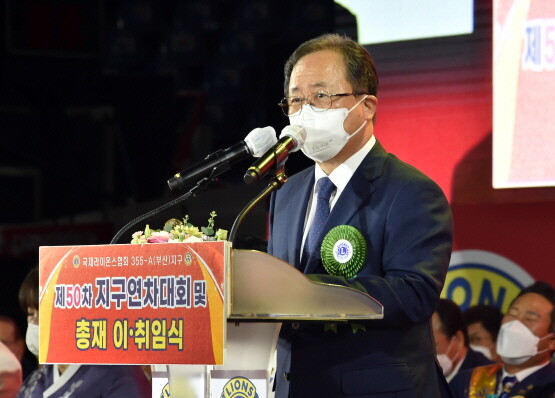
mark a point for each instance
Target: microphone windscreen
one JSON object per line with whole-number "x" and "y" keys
{"x": 298, "y": 133}
{"x": 261, "y": 140}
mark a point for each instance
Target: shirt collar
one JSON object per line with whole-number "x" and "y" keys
{"x": 523, "y": 373}
{"x": 455, "y": 369}
{"x": 343, "y": 173}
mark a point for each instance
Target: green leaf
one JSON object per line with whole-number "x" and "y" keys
{"x": 207, "y": 231}
{"x": 357, "y": 326}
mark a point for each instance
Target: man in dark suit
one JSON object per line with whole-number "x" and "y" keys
{"x": 401, "y": 215}
{"x": 452, "y": 342}
{"x": 525, "y": 343}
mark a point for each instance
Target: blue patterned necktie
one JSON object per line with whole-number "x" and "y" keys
{"x": 324, "y": 189}
{"x": 508, "y": 383}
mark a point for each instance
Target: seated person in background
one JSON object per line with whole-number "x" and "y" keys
{"x": 453, "y": 353}
{"x": 10, "y": 373}
{"x": 525, "y": 344}
{"x": 482, "y": 324}
{"x": 10, "y": 335}
{"x": 75, "y": 381}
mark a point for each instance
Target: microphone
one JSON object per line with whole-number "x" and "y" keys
{"x": 291, "y": 140}
{"x": 255, "y": 143}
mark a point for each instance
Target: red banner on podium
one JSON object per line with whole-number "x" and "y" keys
{"x": 133, "y": 304}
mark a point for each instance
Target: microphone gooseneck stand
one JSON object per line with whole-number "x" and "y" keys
{"x": 275, "y": 183}
{"x": 199, "y": 187}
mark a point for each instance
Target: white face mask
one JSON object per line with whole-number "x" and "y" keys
{"x": 482, "y": 349}
{"x": 445, "y": 361}
{"x": 32, "y": 338}
{"x": 516, "y": 343}
{"x": 325, "y": 134}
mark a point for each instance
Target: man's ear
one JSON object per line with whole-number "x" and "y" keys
{"x": 370, "y": 107}
{"x": 460, "y": 337}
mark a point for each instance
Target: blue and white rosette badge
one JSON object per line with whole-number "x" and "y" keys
{"x": 343, "y": 251}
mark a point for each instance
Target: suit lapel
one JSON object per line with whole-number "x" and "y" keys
{"x": 354, "y": 197}
{"x": 539, "y": 377}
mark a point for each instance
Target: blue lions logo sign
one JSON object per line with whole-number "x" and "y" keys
{"x": 239, "y": 387}
{"x": 482, "y": 277}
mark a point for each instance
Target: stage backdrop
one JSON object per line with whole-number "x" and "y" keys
{"x": 435, "y": 112}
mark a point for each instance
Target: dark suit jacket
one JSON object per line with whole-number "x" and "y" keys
{"x": 540, "y": 384}
{"x": 407, "y": 224}
{"x": 472, "y": 360}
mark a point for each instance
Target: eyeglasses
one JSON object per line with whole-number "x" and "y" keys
{"x": 319, "y": 102}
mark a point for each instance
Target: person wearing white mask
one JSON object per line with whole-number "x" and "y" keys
{"x": 482, "y": 324}
{"x": 452, "y": 343}
{"x": 12, "y": 338}
{"x": 75, "y": 381}
{"x": 10, "y": 373}
{"x": 399, "y": 214}
{"x": 525, "y": 344}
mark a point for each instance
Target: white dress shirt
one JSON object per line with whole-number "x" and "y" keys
{"x": 340, "y": 178}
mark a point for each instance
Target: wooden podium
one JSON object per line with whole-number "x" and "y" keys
{"x": 263, "y": 291}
